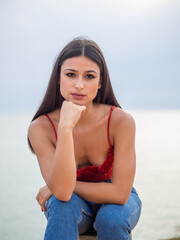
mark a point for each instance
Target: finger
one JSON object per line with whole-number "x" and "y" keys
{"x": 43, "y": 208}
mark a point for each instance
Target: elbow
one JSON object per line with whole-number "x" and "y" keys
{"x": 122, "y": 199}
{"x": 65, "y": 197}
{"x": 62, "y": 193}
{"x": 121, "y": 195}
{"x": 62, "y": 190}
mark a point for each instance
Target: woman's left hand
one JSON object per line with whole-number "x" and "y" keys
{"x": 42, "y": 196}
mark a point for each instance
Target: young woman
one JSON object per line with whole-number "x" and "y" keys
{"x": 85, "y": 146}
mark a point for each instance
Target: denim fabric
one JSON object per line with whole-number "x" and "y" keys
{"x": 66, "y": 220}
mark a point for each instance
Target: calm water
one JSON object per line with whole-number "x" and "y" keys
{"x": 157, "y": 177}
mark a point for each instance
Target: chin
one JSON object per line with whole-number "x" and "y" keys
{"x": 78, "y": 103}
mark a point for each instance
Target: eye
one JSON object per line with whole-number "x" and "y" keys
{"x": 89, "y": 76}
{"x": 70, "y": 74}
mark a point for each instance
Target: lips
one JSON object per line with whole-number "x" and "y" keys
{"x": 77, "y": 95}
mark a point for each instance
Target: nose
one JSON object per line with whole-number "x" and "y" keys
{"x": 79, "y": 83}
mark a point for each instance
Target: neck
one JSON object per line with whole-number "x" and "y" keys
{"x": 88, "y": 115}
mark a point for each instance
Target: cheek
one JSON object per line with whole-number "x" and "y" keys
{"x": 64, "y": 86}
{"x": 93, "y": 89}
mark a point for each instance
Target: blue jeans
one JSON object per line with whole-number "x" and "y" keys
{"x": 66, "y": 220}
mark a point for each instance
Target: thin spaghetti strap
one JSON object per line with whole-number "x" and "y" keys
{"x": 112, "y": 108}
{"x": 51, "y": 124}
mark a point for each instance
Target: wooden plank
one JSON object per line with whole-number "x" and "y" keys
{"x": 86, "y": 237}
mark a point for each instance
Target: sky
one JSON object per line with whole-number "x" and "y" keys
{"x": 140, "y": 40}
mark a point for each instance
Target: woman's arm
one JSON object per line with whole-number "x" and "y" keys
{"x": 119, "y": 190}
{"x": 122, "y": 129}
{"x": 58, "y": 166}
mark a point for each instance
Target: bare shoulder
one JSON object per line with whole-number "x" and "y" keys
{"x": 121, "y": 118}
{"x": 122, "y": 124}
{"x": 42, "y": 126}
{"x": 38, "y": 127}
{"x": 39, "y": 134}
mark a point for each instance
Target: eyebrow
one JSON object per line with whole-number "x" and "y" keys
{"x": 69, "y": 69}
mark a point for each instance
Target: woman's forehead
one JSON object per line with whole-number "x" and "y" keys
{"x": 80, "y": 62}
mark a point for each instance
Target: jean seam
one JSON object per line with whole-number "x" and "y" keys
{"x": 138, "y": 202}
{"x": 130, "y": 217}
{"x": 80, "y": 218}
{"x": 83, "y": 210}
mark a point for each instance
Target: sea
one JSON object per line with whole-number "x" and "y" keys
{"x": 157, "y": 179}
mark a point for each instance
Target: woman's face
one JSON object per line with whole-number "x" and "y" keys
{"x": 79, "y": 80}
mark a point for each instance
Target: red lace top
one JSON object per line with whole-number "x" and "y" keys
{"x": 92, "y": 173}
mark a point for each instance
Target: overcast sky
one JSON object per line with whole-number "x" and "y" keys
{"x": 139, "y": 38}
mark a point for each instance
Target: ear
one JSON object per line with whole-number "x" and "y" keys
{"x": 99, "y": 86}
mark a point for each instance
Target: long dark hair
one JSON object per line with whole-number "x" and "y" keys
{"x": 77, "y": 47}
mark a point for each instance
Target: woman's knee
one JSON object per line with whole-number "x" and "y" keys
{"x": 113, "y": 218}
{"x": 62, "y": 209}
